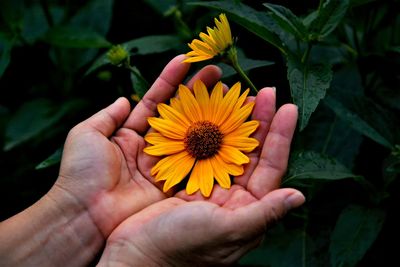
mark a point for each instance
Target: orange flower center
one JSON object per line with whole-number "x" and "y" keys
{"x": 203, "y": 139}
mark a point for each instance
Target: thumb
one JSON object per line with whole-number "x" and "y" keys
{"x": 107, "y": 120}
{"x": 255, "y": 217}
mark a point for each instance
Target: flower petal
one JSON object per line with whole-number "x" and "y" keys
{"x": 244, "y": 144}
{"x": 171, "y": 114}
{"x": 225, "y": 29}
{"x": 165, "y": 164}
{"x": 231, "y": 154}
{"x": 215, "y": 99}
{"x": 206, "y": 177}
{"x": 220, "y": 174}
{"x": 201, "y": 178}
{"x": 201, "y": 48}
{"x": 216, "y": 35}
{"x": 190, "y": 105}
{"x": 197, "y": 58}
{"x": 230, "y": 168}
{"x": 176, "y": 104}
{"x": 161, "y": 149}
{"x": 237, "y": 118}
{"x": 241, "y": 99}
{"x": 167, "y": 128}
{"x": 194, "y": 180}
{"x": 156, "y": 138}
{"x": 202, "y": 97}
{"x": 245, "y": 130}
{"x": 179, "y": 172}
{"x": 209, "y": 40}
{"x": 227, "y": 104}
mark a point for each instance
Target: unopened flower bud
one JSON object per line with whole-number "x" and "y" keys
{"x": 117, "y": 55}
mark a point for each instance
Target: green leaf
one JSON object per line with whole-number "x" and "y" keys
{"x": 151, "y": 44}
{"x": 326, "y": 131}
{"x": 95, "y": 15}
{"x": 53, "y": 159}
{"x": 35, "y": 24}
{"x": 328, "y": 53}
{"x": 391, "y": 167}
{"x": 34, "y": 118}
{"x": 162, "y": 7}
{"x": 307, "y": 20}
{"x": 395, "y": 49}
{"x": 356, "y": 3}
{"x": 256, "y": 22}
{"x": 310, "y": 165}
{"x": 282, "y": 248}
{"x": 364, "y": 116}
{"x": 329, "y": 16}
{"x": 332, "y": 136}
{"x": 12, "y": 14}
{"x": 74, "y": 37}
{"x": 139, "y": 83}
{"x": 70, "y": 60}
{"x": 87, "y": 28}
{"x": 308, "y": 85}
{"x": 287, "y": 21}
{"x": 354, "y": 233}
{"x": 6, "y": 44}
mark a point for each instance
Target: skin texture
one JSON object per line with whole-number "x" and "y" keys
{"x": 105, "y": 192}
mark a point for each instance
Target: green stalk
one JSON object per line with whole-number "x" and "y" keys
{"x": 234, "y": 62}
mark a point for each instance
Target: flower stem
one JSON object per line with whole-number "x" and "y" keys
{"x": 234, "y": 62}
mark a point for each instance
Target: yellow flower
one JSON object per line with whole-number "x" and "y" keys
{"x": 204, "y": 135}
{"x": 216, "y": 42}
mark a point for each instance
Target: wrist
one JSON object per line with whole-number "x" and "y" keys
{"x": 124, "y": 253}
{"x": 56, "y": 229}
{"x": 78, "y": 237}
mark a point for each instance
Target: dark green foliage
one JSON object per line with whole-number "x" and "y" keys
{"x": 338, "y": 61}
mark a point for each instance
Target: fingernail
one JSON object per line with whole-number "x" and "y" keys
{"x": 295, "y": 200}
{"x": 274, "y": 88}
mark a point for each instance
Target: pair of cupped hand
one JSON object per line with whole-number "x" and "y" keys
{"x": 105, "y": 171}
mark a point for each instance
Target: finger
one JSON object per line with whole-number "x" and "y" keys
{"x": 218, "y": 196}
{"x": 107, "y": 120}
{"x": 254, "y": 218}
{"x": 264, "y": 111}
{"x": 239, "y": 198}
{"x": 209, "y": 75}
{"x": 274, "y": 156}
{"x": 161, "y": 90}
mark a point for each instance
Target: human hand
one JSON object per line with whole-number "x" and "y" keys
{"x": 216, "y": 231}
{"x": 104, "y": 178}
{"x": 103, "y": 168}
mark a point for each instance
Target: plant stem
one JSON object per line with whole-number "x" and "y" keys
{"x": 307, "y": 53}
{"x": 47, "y": 14}
{"x": 234, "y": 62}
{"x": 329, "y": 137}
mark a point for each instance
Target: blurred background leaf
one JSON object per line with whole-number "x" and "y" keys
{"x": 311, "y": 165}
{"x": 75, "y": 37}
{"x": 33, "y": 118}
{"x": 53, "y": 159}
{"x": 355, "y": 231}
